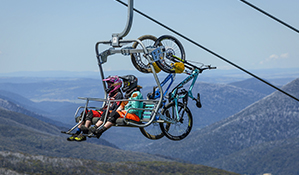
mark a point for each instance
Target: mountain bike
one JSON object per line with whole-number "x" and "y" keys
{"x": 169, "y": 51}
{"x": 177, "y": 113}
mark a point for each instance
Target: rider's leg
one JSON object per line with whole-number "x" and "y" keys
{"x": 99, "y": 123}
{"x": 111, "y": 120}
{"x": 87, "y": 123}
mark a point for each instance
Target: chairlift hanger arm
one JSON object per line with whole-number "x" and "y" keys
{"x": 102, "y": 57}
{"x": 116, "y": 37}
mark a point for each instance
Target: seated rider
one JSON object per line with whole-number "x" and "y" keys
{"x": 114, "y": 93}
{"x": 132, "y": 92}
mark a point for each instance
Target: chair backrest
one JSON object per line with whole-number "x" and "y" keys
{"x": 149, "y": 109}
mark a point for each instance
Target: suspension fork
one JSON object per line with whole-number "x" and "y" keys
{"x": 198, "y": 103}
{"x": 196, "y": 73}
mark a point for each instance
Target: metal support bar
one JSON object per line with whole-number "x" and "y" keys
{"x": 116, "y": 37}
{"x": 129, "y": 123}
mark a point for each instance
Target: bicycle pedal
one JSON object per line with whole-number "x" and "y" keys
{"x": 198, "y": 104}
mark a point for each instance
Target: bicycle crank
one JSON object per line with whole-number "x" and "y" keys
{"x": 198, "y": 103}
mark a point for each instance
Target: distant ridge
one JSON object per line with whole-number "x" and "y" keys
{"x": 224, "y": 76}
{"x": 268, "y": 128}
{"x": 76, "y": 74}
{"x": 255, "y": 85}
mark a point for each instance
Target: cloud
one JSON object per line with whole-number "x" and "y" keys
{"x": 284, "y": 55}
{"x": 275, "y": 57}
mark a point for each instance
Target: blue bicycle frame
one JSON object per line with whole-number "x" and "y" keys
{"x": 156, "y": 93}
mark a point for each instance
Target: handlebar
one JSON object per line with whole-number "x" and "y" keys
{"x": 201, "y": 69}
{"x": 191, "y": 66}
{"x": 208, "y": 67}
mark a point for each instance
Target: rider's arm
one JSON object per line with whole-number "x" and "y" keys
{"x": 121, "y": 107}
{"x": 115, "y": 105}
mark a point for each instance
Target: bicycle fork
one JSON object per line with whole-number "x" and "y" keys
{"x": 172, "y": 117}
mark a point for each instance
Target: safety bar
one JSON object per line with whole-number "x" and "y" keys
{"x": 129, "y": 123}
{"x": 140, "y": 125}
{"x": 82, "y": 119}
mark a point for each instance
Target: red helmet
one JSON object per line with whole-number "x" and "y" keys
{"x": 113, "y": 83}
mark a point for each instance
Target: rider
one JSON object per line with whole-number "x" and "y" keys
{"x": 114, "y": 93}
{"x": 132, "y": 92}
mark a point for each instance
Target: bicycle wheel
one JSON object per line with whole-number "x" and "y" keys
{"x": 173, "y": 47}
{"x": 153, "y": 131}
{"x": 138, "y": 60}
{"x": 182, "y": 127}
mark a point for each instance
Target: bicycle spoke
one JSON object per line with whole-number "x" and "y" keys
{"x": 153, "y": 131}
{"x": 138, "y": 60}
{"x": 173, "y": 47}
{"x": 182, "y": 127}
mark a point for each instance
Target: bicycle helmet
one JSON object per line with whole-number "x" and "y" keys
{"x": 113, "y": 83}
{"x": 130, "y": 82}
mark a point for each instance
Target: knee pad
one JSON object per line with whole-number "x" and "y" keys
{"x": 114, "y": 115}
{"x": 89, "y": 115}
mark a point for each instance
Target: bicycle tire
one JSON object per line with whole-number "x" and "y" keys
{"x": 181, "y": 128}
{"x": 138, "y": 61}
{"x": 153, "y": 131}
{"x": 172, "y": 46}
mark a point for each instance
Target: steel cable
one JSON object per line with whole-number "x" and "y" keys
{"x": 276, "y": 19}
{"x": 210, "y": 51}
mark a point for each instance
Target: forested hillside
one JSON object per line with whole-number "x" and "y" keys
{"x": 29, "y": 135}
{"x": 14, "y": 163}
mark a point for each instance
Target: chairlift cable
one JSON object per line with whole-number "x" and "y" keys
{"x": 210, "y": 51}
{"x": 276, "y": 19}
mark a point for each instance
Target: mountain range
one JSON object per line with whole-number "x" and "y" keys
{"x": 240, "y": 128}
{"x": 219, "y": 101}
{"x": 31, "y": 146}
{"x": 262, "y": 138}
{"x": 58, "y": 99}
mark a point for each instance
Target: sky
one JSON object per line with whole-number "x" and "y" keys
{"x": 60, "y": 35}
